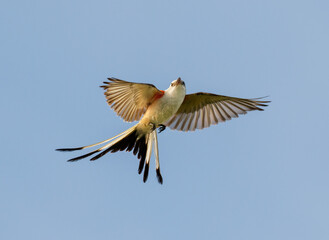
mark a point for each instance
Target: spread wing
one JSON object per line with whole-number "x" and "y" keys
{"x": 129, "y": 100}
{"x": 200, "y": 110}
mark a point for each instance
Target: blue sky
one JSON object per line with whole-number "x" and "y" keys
{"x": 261, "y": 176}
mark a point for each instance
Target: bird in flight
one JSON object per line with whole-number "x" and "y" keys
{"x": 156, "y": 108}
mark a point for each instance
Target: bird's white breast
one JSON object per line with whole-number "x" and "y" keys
{"x": 165, "y": 107}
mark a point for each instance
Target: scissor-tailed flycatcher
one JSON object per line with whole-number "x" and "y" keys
{"x": 160, "y": 109}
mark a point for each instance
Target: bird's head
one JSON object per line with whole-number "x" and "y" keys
{"x": 177, "y": 82}
{"x": 177, "y": 88}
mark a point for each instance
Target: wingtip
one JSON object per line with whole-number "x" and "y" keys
{"x": 105, "y": 86}
{"x": 266, "y": 101}
{"x": 112, "y": 79}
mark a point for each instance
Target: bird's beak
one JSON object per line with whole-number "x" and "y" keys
{"x": 180, "y": 82}
{"x": 177, "y": 82}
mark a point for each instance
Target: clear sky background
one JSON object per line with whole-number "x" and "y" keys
{"x": 261, "y": 176}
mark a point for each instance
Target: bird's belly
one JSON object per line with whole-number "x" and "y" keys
{"x": 161, "y": 110}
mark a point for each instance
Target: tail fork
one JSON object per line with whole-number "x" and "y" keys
{"x": 128, "y": 140}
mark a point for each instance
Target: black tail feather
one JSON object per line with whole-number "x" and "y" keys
{"x": 129, "y": 143}
{"x": 69, "y": 149}
{"x": 125, "y": 143}
{"x": 83, "y": 156}
{"x": 100, "y": 155}
{"x": 146, "y": 172}
{"x": 141, "y": 165}
{"x": 142, "y": 147}
{"x": 160, "y": 180}
{"x": 136, "y": 148}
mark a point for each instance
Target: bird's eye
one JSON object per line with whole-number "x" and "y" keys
{"x": 172, "y": 84}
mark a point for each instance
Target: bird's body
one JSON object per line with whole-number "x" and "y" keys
{"x": 164, "y": 106}
{"x": 156, "y": 108}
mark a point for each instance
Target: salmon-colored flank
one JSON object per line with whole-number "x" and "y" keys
{"x": 158, "y": 95}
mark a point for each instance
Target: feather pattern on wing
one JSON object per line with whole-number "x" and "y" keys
{"x": 200, "y": 110}
{"x": 129, "y": 100}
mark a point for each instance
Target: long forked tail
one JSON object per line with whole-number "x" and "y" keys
{"x": 129, "y": 140}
